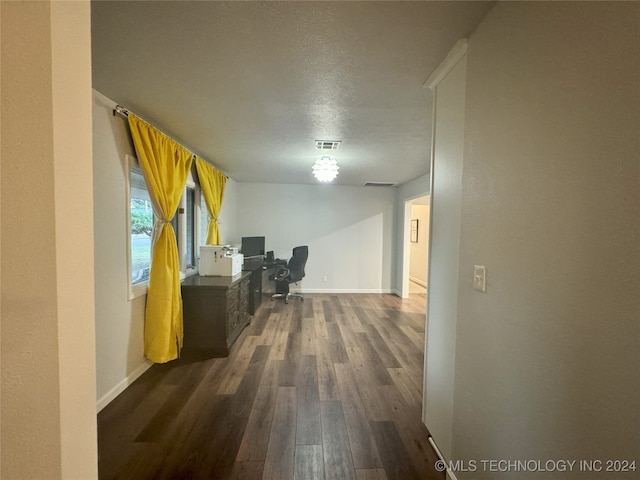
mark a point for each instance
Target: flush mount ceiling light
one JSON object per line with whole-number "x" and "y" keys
{"x": 325, "y": 169}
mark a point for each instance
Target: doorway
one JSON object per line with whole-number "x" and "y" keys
{"x": 416, "y": 246}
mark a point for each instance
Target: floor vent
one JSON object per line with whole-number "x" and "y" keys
{"x": 327, "y": 144}
{"x": 379, "y": 184}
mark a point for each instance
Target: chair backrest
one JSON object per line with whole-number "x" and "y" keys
{"x": 297, "y": 262}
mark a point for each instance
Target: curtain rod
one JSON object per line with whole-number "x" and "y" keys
{"x": 120, "y": 110}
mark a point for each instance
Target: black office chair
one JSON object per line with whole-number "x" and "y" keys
{"x": 292, "y": 272}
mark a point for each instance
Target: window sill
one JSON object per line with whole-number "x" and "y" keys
{"x": 189, "y": 273}
{"x": 138, "y": 289}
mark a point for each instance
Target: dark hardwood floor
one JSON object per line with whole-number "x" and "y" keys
{"x": 329, "y": 388}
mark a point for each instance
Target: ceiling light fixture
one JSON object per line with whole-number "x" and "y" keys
{"x": 328, "y": 144}
{"x": 325, "y": 169}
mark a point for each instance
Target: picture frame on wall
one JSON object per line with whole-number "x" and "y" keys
{"x": 414, "y": 231}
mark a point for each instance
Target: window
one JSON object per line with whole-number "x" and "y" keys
{"x": 140, "y": 230}
{"x": 186, "y": 225}
{"x": 204, "y": 221}
{"x": 190, "y": 244}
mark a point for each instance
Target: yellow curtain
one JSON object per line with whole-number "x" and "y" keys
{"x": 165, "y": 166}
{"x": 212, "y": 183}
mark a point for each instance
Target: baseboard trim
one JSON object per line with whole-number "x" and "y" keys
{"x": 339, "y": 290}
{"x": 120, "y": 387}
{"x": 422, "y": 283}
{"x": 449, "y": 473}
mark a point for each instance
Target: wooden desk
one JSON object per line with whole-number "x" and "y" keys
{"x": 216, "y": 310}
{"x": 254, "y": 265}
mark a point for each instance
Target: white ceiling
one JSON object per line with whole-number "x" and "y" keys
{"x": 250, "y": 86}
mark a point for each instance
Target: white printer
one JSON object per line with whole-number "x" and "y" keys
{"x": 220, "y": 260}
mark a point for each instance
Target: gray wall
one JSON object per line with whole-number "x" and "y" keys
{"x": 547, "y": 360}
{"x": 349, "y": 231}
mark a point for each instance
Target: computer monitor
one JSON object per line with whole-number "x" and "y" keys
{"x": 252, "y": 246}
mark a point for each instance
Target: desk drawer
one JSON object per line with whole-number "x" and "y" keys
{"x": 233, "y": 294}
{"x": 233, "y": 318}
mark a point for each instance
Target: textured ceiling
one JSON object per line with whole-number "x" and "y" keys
{"x": 250, "y": 86}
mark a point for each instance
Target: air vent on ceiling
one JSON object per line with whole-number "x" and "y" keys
{"x": 327, "y": 144}
{"x": 379, "y": 184}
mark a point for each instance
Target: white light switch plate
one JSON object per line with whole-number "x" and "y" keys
{"x": 479, "y": 278}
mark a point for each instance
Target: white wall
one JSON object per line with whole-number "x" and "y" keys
{"x": 119, "y": 321}
{"x": 442, "y": 304}
{"x": 349, "y": 231}
{"x": 418, "y": 187}
{"x": 228, "y": 214}
{"x": 48, "y": 351}
{"x": 547, "y": 360}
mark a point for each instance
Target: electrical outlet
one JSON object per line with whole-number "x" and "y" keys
{"x": 324, "y": 278}
{"x": 479, "y": 278}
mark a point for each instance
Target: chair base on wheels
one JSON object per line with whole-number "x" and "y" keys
{"x": 286, "y": 296}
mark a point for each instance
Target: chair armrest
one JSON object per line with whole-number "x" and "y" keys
{"x": 281, "y": 273}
